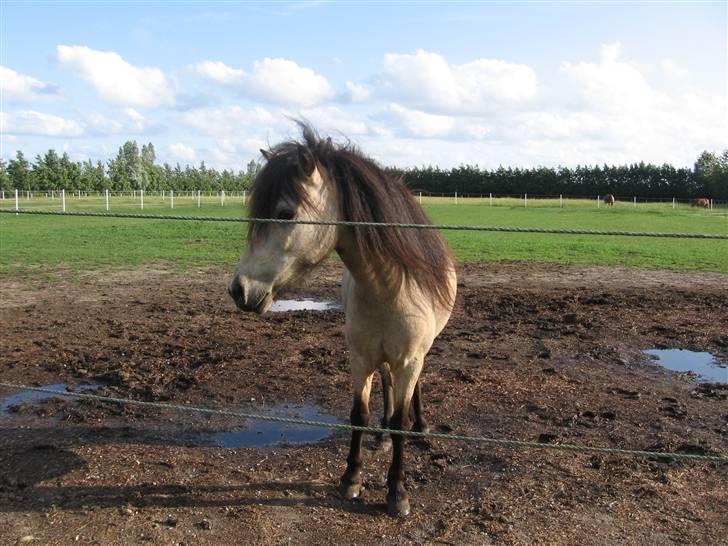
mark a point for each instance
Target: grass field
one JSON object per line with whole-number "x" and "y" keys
{"x": 29, "y": 243}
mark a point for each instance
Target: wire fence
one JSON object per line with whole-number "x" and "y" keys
{"x": 444, "y": 227}
{"x": 378, "y": 430}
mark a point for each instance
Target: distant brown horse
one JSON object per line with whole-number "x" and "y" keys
{"x": 609, "y": 200}
{"x": 700, "y": 202}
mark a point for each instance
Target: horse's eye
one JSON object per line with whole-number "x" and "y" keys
{"x": 285, "y": 215}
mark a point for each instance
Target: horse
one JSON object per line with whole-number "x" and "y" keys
{"x": 700, "y": 202}
{"x": 609, "y": 200}
{"x": 398, "y": 288}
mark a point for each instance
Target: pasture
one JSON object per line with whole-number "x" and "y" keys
{"x": 544, "y": 344}
{"x": 81, "y": 243}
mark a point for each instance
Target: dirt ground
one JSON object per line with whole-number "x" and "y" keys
{"x": 534, "y": 352}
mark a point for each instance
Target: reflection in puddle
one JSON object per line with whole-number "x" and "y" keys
{"x": 26, "y": 397}
{"x": 302, "y": 305}
{"x": 267, "y": 433}
{"x": 705, "y": 365}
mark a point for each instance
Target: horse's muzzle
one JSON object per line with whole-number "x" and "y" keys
{"x": 250, "y": 301}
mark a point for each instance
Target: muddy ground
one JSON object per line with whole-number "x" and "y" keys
{"x": 534, "y": 352}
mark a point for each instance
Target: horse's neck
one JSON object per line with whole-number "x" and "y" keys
{"x": 376, "y": 277}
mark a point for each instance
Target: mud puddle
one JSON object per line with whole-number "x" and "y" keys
{"x": 280, "y": 306}
{"x": 10, "y": 402}
{"x": 260, "y": 433}
{"x": 705, "y": 366}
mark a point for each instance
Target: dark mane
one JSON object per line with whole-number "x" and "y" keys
{"x": 367, "y": 194}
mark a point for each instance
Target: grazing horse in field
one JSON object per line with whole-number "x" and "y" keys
{"x": 609, "y": 200}
{"x": 398, "y": 288}
{"x": 700, "y": 202}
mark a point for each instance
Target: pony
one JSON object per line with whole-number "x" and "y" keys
{"x": 398, "y": 288}
{"x": 609, "y": 199}
{"x": 700, "y": 202}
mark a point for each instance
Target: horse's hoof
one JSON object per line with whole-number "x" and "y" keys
{"x": 421, "y": 427}
{"x": 398, "y": 508}
{"x": 350, "y": 490}
{"x": 384, "y": 444}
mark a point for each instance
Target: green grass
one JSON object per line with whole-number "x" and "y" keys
{"x": 30, "y": 243}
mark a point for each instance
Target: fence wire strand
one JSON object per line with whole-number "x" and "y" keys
{"x": 377, "y": 430}
{"x": 444, "y": 227}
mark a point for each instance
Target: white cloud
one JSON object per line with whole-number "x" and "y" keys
{"x": 138, "y": 121}
{"x": 420, "y": 124}
{"x": 357, "y": 92}
{"x": 612, "y": 85}
{"x": 30, "y": 122}
{"x": 671, "y": 68}
{"x": 231, "y": 122}
{"x": 218, "y": 71}
{"x": 115, "y": 80}
{"x": 426, "y": 81}
{"x": 182, "y": 152}
{"x": 277, "y": 81}
{"x": 20, "y": 86}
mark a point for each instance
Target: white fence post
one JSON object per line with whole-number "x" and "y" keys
{"x": 711, "y": 203}
{"x": 598, "y": 204}
{"x": 3, "y": 191}
{"x": 456, "y": 198}
{"x": 634, "y": 200}
{"x": 16, "y": 198}
{"x": 222, "y": 198}
{"x": 198, "y": 199}
{"x": 141, "y": 199}
{"x": 106, "y": 198}
{"x": 420, "y": 198}
{"x": 561, "y": 201}
{"x": 490, "y": 198}
{"x": 171, "y": 199}
{"x": 673, "y": 202}
{"x": 244, "y": 196}
{"x": 525, "y": 200}
{"x": 63, "y": 200}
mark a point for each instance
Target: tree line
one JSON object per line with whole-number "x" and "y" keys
{"x": 134, "y": 169}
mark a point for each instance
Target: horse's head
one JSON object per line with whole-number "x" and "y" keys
{"x": 292, "y": 185}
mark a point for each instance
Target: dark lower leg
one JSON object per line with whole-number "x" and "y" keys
{"x": 419, "y": 418}
{"x": 397, "y": 498}
{"x": 351, "y": 480}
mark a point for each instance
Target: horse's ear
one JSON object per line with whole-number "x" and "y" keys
{"x": 305, "y": 160}
{"x": 267, "y": 154}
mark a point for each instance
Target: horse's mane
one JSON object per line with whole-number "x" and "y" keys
{"x": 367, "y": 194}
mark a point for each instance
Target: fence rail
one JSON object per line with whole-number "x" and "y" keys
{"x": 378, "y": 430}
{"x": 445, "y": 227}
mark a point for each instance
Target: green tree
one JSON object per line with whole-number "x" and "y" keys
{"x": 19, "y": 172}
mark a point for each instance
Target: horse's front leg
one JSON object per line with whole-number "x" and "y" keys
{"x": 417, "y": 415}
{"x": 404, "y": 379}
{"x": 351, "y": 482}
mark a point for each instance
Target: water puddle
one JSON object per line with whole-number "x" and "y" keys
{"x": 268, "y": 433}
{"x": 30, "y": 397}
{"x": 705, "y": 366}
{"x": 280, "y": 306}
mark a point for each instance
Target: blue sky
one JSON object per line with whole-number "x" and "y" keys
{"x": 412, "y": 83}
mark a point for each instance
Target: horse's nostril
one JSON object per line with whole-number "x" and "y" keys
{"x": 235, "y": 290}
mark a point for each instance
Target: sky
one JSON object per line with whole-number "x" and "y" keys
{"x": 411, "y": 83}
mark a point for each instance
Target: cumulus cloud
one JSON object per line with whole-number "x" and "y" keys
{"x": 218, "y": 71}
{"x": 15, "y": 85}
{"x": 277, "y": 81}
{"x": 231, "y": 122}
{"x": 671, "y": 68}
{"x": 356, "y": 92}
{"x": 182, "y": 152}
{"x": 115, "y": 80}
{"x": 420, "y": 124}
{"x": 30, "y": 122}
{"x": 426, "y": 81}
